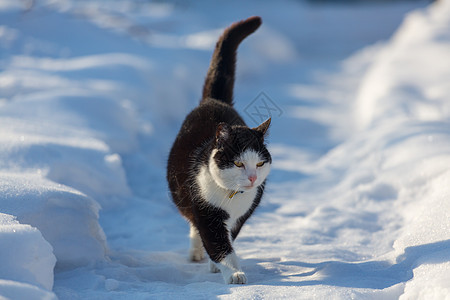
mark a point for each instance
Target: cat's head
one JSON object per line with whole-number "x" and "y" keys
{"x": 240, "y": 160}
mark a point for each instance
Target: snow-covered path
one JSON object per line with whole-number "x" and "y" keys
{"x": 93, "y": 93}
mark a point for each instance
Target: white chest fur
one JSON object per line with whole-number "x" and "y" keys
{"x": 217, "y": 196}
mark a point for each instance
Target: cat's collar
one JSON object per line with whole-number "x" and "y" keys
{"x": 233, "y": 193}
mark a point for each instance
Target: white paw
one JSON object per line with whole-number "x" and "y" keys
{"x": 213, "y": 268}
{"x": 196, "y": 254}
{"x": 237, "y": 278}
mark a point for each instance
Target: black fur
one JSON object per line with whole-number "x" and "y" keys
{"x": 220, "y": 78}
{"x": 240, "y": 138}
{"x": 214, "y": 124}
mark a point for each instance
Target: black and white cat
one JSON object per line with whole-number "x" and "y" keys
{"x": 218, "y": 166}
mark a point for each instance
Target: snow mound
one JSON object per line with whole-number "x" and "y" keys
{"x": 55, "y": 210}
{"x": 59, "y": 146}
{"x": 27, "y": 261}
{"x": 404, "y": 83}
{"x": 39, "y": 161}
{"x": 401, "y": 149}
{"x": 406, "y": 94}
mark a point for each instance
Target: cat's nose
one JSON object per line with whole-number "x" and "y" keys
{"x": 252, "y": 178}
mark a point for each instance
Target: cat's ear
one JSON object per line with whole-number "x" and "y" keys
{"x": 263, "y": 127}
{"x": 222, "y": 133}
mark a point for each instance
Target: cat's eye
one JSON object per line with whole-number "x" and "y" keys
{"x": 260, "y": 164}
{"x": 238, "y": 164}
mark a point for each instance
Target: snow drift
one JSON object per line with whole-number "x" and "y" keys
{"x": 27, "y": 257}
{"x": 358, "y": 201}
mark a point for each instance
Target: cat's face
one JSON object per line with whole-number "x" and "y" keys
{"x": 240, "y": 160}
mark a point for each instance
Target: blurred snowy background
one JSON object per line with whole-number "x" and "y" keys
{"x": 92, "y": 94}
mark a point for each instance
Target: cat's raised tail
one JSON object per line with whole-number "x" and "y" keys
{"x": 219, "y": 80}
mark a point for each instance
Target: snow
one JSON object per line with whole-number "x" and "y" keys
{"x": 27, "y": 261}
{"x": 92, "y": 94}
{"x": 42, "y": 203}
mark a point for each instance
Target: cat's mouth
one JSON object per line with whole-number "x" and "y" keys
{"x": 248, "y": 187}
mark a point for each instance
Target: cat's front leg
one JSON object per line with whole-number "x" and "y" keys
{"x": 233, "y": 274}
{"x": 230, "y": 269}
{"x": 224, "y": 260}
{"x": 211, "y": 225}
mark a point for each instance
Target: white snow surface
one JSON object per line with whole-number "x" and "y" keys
{"x": 92, "y": 94}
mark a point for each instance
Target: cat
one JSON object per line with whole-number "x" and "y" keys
{"x": 217, "y": 166}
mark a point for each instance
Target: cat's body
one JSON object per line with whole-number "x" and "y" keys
{"x": 217, "y": 166}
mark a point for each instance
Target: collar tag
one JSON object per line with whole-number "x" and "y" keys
{"x": 232, "y": 194}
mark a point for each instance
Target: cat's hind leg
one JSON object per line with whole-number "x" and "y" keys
{"x": 196, "y": 253}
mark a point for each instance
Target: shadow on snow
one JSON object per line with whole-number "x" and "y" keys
{"x": 372, "y": 274}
